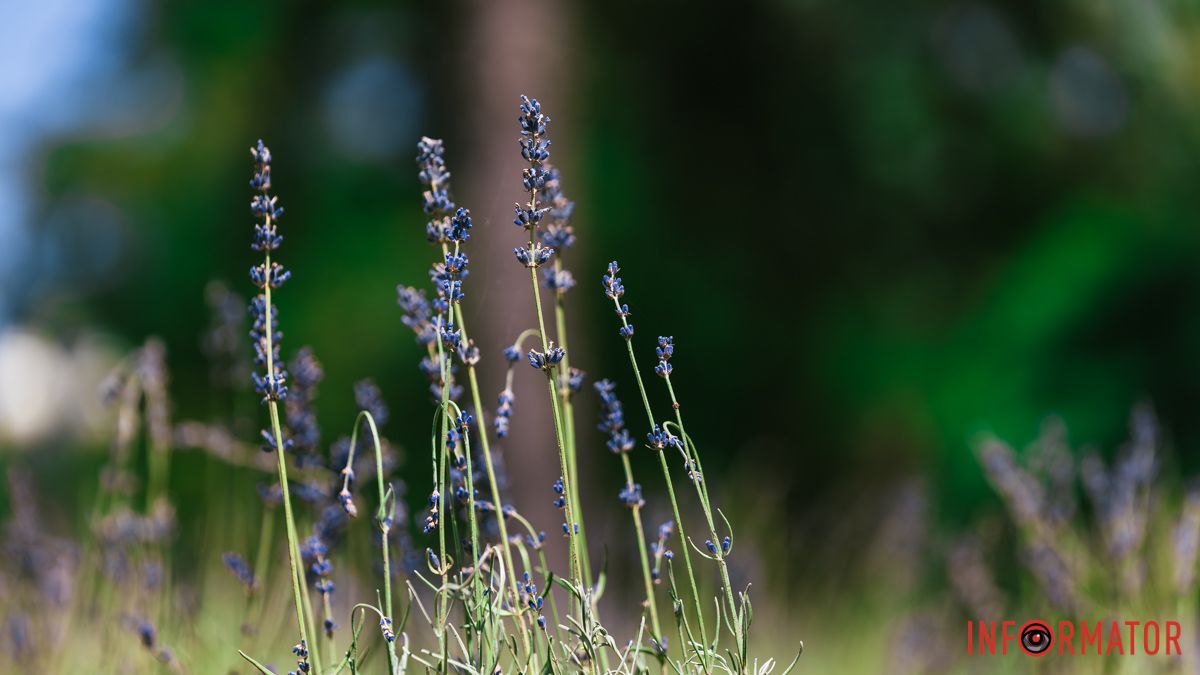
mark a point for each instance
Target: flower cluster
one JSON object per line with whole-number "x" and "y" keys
{"x": 273, "y": 276}
{"x": 263, "y": 205}
{"x": 432, "y": 520}
{"x": 558, "y": 280}
{"x": 301, "y": 652}
{"x": 304, "y": 434}
{"x": 536, "y": 543}
{"x": 535, "y": 255}
{"x": 532, "y": 599}
{"x": 468, "y": 352}
{"x": 345, "y": 498}
{"x": 503, "y": 416}
{"x": 238, "y": 566}
{"x": 264, "y": 332}
{"x": 659, "y": 549}
{"x": 148, "y": 636}
{"x": 1185, "y": 539}
{"x": 266, "y": 275}
{"x": 548, "y": 360}
{"x": 367, "y": 396}
{"x": 222, "y": 341}
{"x": 660, "y": 438}
{"x": 614, "y": 289}
{"x": 433, "y": 323}
{"x": 575, "y": 377}
{"x": 271, "y": 495}
{"x": 534, "y": 149}
{"x": 504, "y": 411}
{"x": 448, "y": 277}
{"x": 665, "y": 350}
{"x": 726, "y": 544}
{"x": 558, "y": 233}
{"x": 417, "y": 313}
{"x": 612, "y": 417}
{"x": 451, "y": 338}
{"x": 316, "y": 552}
{"x": 631, "y": 496}
{"x": 436, "y": 198}
{"x": 972, "y": 578}
{"x": 430, "y": 369}
{"x": 560, "y": 502}
{"x": 460, "y": 225}
{"x": 1025, "y": 498}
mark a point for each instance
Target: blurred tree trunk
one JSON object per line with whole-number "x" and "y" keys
{"x": 512, "y": 47}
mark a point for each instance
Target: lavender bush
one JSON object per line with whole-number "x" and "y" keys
{"x": 466, "y": 585}
{"x": 482, "y": 595}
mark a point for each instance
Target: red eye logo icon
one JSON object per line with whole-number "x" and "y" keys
{"x": 1036, "y": 638}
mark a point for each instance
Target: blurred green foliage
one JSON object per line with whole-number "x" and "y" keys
{"x": 875, "y": 230}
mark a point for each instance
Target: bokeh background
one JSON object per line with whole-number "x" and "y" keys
{"x": 876, "y": 230}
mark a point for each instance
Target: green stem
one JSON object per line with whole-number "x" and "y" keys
{"x": 262, "y": 559}
{"x": 687, "y": 557}
{"x": 546, "y": 574}
{"x": 294, "y": 560}
{"x": 572, "y": 537}
{"x": 568, "y": 408}
{"x": 443, "y": 609}
{"x": 489, "y": 467}
{"x": 641, "y": 545}
{"x": 383, "y": 516}
{"x": 290, "y": 528}
{"x": 387, "y": 568}
{"x": 573, "y": 543}
{"x": 472, "y": 517}
{"x": 328, "y": 616}
{"x": 306, "y": 596}
{"x": 701, "y": 486}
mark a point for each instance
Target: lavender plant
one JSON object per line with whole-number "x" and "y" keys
{"x": 737, "y": 613}
{"x": 1092, "y": 559}
{"x": 268, "y": 276}
{"x": 477, "y": 581}
{"x": 439, "y": 326}
{"x": 478, "y": 576}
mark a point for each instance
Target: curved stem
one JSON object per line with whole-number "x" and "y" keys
{"x": 489, "y": 467}
{"x": 473, "y": 520}
{"x": 701, "y": 485}
{"x": 547, "y": 575}
{"x": 687, "y": 556}
{"x": 379, "y": 481}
